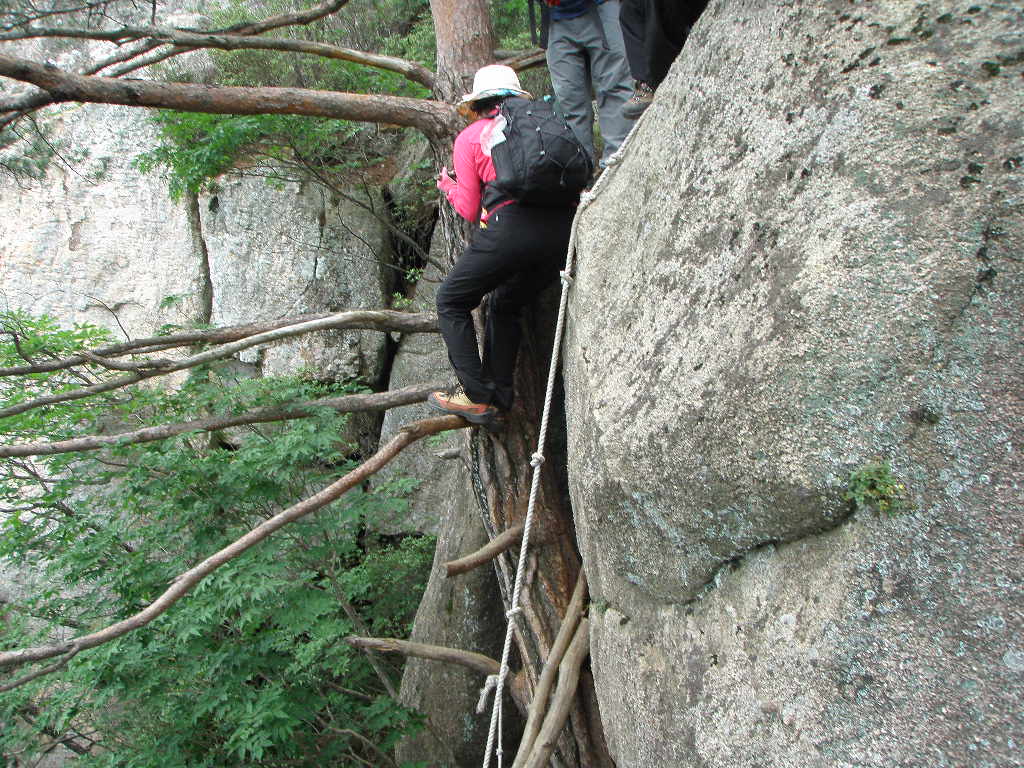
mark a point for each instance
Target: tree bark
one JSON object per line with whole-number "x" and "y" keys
{"x": 500, "y": 463}
{"x": 465, "y": 42}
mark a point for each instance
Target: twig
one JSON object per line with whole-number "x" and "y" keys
{"x": 373, "y": 747}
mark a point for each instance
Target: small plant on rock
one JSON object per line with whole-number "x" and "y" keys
{"x": 873, "y": 486}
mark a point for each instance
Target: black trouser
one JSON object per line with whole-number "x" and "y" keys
{"x": 514, "y": 259}
{"x": 654, "y": 32}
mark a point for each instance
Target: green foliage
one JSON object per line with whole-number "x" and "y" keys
{"x": 510, "y": 20}
{"x": 23, "y": 155}
{"x": 873, "y": 486}
{"x": 194, "y": 149}
{"x": 251, "y": 668}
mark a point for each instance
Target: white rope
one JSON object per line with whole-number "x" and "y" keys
{"x": 481, "y": 704}
{"x": 536, "y": 460}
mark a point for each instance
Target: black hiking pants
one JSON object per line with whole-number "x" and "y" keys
{"x": 654, "y": 32}
{"x": 519, "y": 253}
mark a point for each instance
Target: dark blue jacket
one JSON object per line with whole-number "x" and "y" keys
{"x": 569, "y": 9}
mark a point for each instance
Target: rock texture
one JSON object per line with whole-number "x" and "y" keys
{"x": 808, "y": 261}
{"x": 96, "y": 242}
{"x": 285, "y": 250}
{"x": 94, "y": 238}
{"x": 421, "y": 358}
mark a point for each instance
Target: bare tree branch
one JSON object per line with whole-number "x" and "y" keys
{"x": 527, "y": 60}
{"x": 475, "y": 661}
{"x": 130, "y": 62}
{"x": 561, "y": 701}
{"x": 539, "y": 705}
{"x": 187, "y": 581}
{"x": 485, "y": 554}
{"x": 433, "y": 118}
{"x": 195, "y": 40}
{"x": 376, "y": 401}
{"x": 114, "y": 365}
{"x": 380, "y": 320}
{"x": 161, "y": 343}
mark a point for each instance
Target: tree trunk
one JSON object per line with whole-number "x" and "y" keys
{"x": 500, "y": 462}
{"x": 465, "y": 43}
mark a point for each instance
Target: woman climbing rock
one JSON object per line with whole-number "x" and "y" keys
{"x": 517, "y": 248}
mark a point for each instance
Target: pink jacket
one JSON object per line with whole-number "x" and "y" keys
{"x": 473, "y": 169}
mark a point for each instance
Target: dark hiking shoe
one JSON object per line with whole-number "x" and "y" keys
{"x": 641, "y": 99}
{"x": 457, "y": 403}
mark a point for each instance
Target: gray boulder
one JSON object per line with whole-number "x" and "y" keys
{"x": 289, "y": 249}
{"x": 808, "y": 263}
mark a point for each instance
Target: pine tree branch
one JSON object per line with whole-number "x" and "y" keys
{"x": 432, "y": 118}
{"x": 379, "y": 320}
{"x": 187, "y": 581}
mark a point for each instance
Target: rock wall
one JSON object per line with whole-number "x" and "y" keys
{"x": 809, "y": 261}
{"x": 94, "y": 241}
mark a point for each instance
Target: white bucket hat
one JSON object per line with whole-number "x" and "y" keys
{"x": 495, "y": 80}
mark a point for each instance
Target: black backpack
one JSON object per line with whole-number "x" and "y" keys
{"x": 537, "y": 158}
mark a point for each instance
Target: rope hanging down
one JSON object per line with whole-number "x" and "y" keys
{"x": 537, "y": 459}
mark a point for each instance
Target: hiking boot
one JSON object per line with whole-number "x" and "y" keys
{"x": 641, "y": 99}
{"x": 458, "y": 404}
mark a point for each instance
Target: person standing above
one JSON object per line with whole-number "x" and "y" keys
{"x": 514, "y": 253}
{"x": 585, "y": 54}
{"x": 654, "y": 32}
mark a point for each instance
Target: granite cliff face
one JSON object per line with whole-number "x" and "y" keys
{"x": 809, "y": 261}
{"x": 94, "y": 241}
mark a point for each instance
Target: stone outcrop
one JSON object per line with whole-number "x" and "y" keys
{"x": 94, "y": 241}
{"x": 282, "y": 251}
{"x": 462, "y": 612}
{"x": 809, "y": 262}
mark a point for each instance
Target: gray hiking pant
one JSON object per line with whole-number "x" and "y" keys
{"x": 587, "y": 52}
